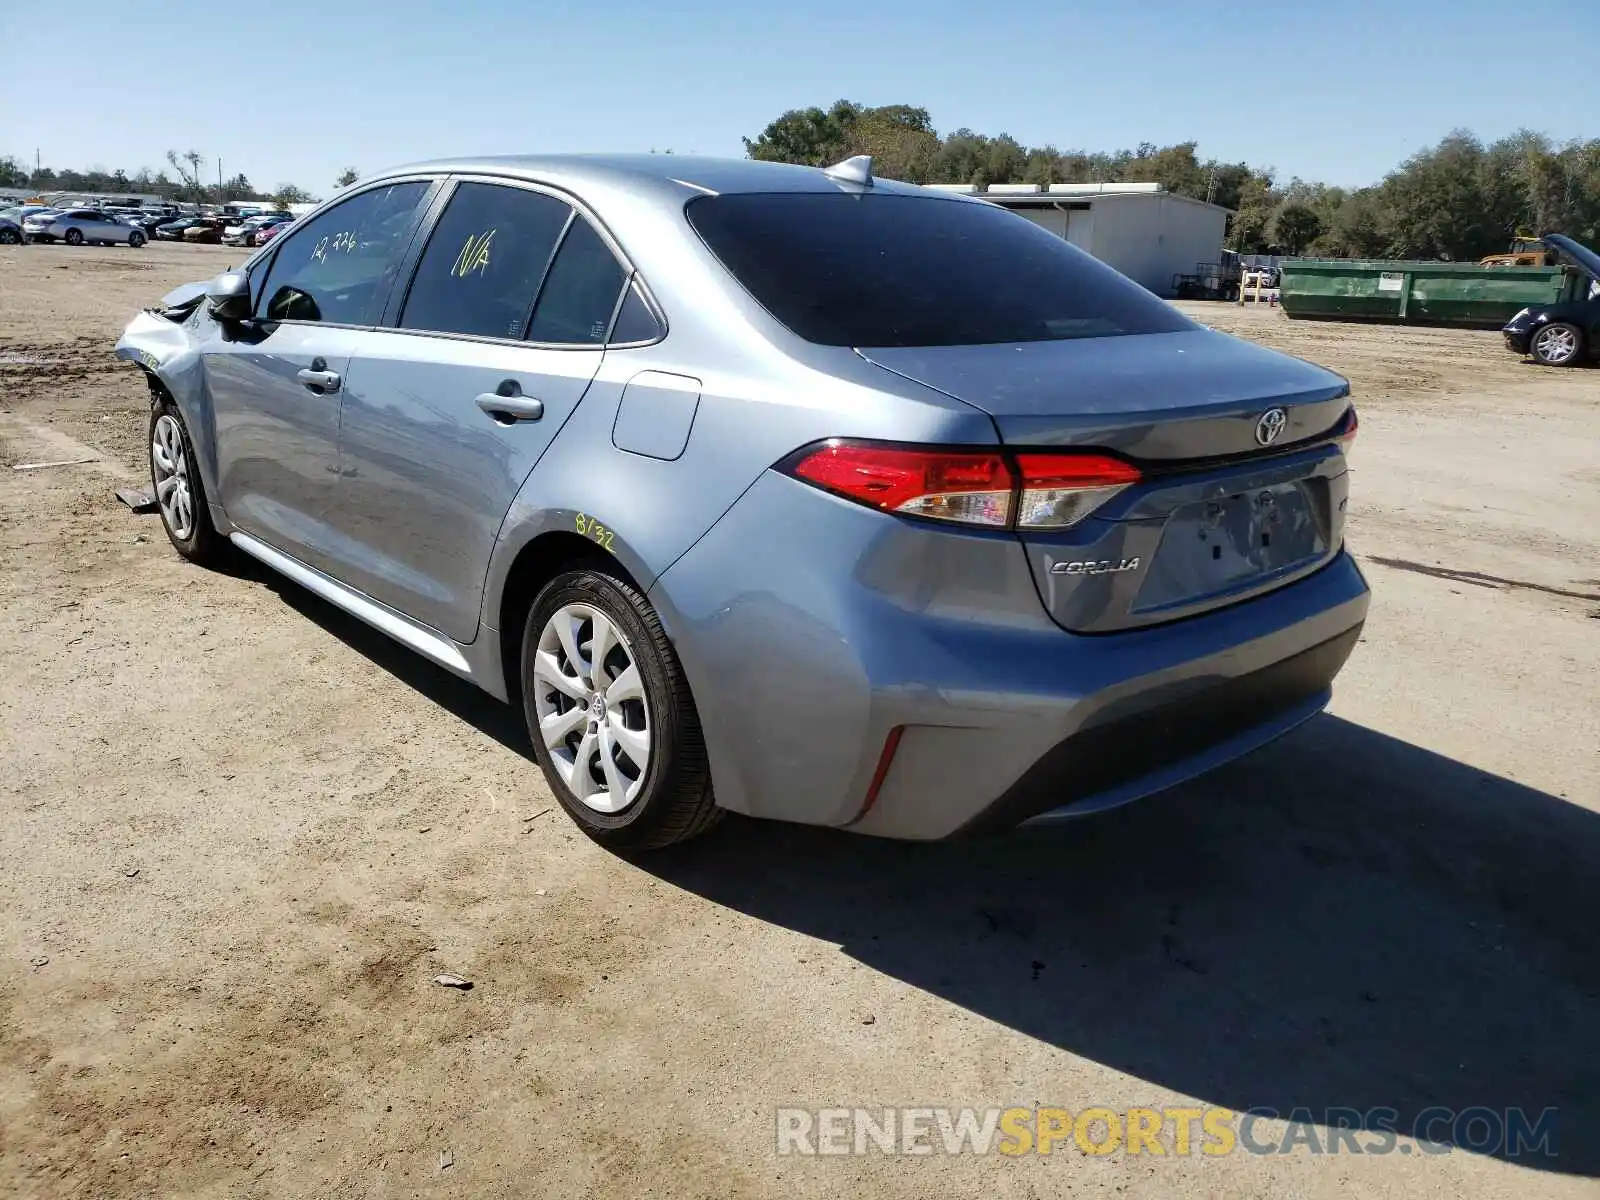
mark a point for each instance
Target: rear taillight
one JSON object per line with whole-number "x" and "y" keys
{"x": 1031, "y": 491}
{"x": 1059, "y": 490}
{"x": 974, "y": 489}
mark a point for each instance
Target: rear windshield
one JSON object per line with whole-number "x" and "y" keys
{"x": 894, "y": 270}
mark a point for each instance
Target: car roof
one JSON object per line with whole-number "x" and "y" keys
{"x": 666, "y": 173}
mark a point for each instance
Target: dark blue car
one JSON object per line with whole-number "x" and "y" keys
{"x": 1566, "y": 333}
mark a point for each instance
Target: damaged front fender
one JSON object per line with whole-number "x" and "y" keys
{"x": 164, "y": 342}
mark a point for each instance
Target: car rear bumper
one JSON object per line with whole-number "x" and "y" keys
{"x": 815, "y": 633}
{"x": 1127, "y": 758}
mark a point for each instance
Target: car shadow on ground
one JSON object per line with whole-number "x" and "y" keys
{"x": 465, "y": 700}
{"x": 1340, "y": 921}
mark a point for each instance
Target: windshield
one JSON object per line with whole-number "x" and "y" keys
{"x": 895, "y": 270}
{"x": 1577, "y": 253}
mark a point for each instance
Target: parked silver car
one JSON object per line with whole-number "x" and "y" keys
{"x": 82, "y": 226}
{"x": 756, "y": 487}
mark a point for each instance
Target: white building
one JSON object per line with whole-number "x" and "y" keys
{"x": 1148, "y": 234}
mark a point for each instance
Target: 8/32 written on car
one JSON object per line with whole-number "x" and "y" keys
{"x": 593, "y": 530}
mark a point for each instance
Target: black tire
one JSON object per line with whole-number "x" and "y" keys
{"x": 136, "y": 239}
{"x": 1541, "y": 353}
{"x": 74, "y": 237}
{"x": 203, "y": 544}
{"x": 675, "y": 801}
{"x": 10, "y": 237}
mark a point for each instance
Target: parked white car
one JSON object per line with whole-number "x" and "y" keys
{"x": 243, "y": 232}
{"x": 80, "y": 226}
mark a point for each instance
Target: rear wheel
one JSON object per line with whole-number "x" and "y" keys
{"x": 9, "y": 237}
{"x": 609, "y": 711}
{"x": 74, "y": 237}
{"x": 1558, "y": 344}
{"x": 136, "y": 239}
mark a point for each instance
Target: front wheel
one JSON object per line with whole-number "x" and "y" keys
{"x": 136, "y": 239}
{"x": 612, "y": 720}
{"x": 74, "y": 237}
{"x": 180, "y": 492}
{"x": 1558, "y": 344}
{"x": 9, "y": 237}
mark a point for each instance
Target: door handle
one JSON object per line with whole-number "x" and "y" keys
{"x": 507, "y": 410}
{"x": 324, "y": 381}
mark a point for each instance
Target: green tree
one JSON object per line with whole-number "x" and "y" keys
{"x": 1295, "y": 227}
{"x": 238, "y": 188}
{"x": 1438, "y": 204}
{"x": 1175, "y": 168}
{"x": 346, "y": 177}
{"x": 809, "y": 136}
{"x": 899, "y": 140}
{"x": 1247, "y": 228}
{"x": 288, "y": 194}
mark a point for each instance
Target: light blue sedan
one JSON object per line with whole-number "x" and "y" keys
{"x": 791, "y": 492}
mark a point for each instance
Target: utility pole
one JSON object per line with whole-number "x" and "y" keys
{"x": 219, "y": 179}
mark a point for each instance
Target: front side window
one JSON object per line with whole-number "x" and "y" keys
{"x": 339, "y": 267}
{"x": 896, "y": 270}
{"x": 581, "y": 291}
{"x": 484, "y": 262}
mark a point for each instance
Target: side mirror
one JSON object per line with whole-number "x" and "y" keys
{"x": 228, "y": 296}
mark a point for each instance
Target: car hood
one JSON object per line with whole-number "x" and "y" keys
{"x": 1188, "y": 394}
{"x": 1574, "y": 254}
{"x": 183, "y": 294}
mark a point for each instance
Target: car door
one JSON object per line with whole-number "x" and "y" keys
{"x": 448, "y": 410}
{"x": 275, "y": 383}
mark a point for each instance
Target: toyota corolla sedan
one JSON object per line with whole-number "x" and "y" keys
{"x": 790, "y": 492}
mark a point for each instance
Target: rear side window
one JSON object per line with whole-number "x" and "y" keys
{"x": 636, "y": 321}
{"x": 580, "y": 293}
{"x": 339, "y": 266}
{"x": 484, "y": 262}
{"x": 894, "y": 270}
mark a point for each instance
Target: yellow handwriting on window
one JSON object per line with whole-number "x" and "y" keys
{"x": 474, "y": 255}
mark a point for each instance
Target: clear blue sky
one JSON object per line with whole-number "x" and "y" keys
{"x": 290, "y": 91}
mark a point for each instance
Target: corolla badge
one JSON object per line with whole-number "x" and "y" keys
{"x": 1270, "y": 426}
{"x": 1105, "y": 566}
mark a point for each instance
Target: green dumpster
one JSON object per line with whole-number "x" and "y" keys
{"x": 1425, "y": 292}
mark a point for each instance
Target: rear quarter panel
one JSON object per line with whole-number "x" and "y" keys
{"x": 751, "y": 413}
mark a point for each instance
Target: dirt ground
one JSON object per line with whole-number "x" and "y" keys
{"x": 240, "y": 834}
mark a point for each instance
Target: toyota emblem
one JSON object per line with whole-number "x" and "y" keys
{"x": 1270, "y": 426}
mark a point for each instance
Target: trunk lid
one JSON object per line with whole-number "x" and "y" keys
{"x": 1232, "y": 503}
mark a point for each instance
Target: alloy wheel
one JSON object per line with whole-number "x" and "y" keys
{"x": 1556, "y": 343}
{"x": 590, "y": 704}
{"x": 170, "y": 468}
